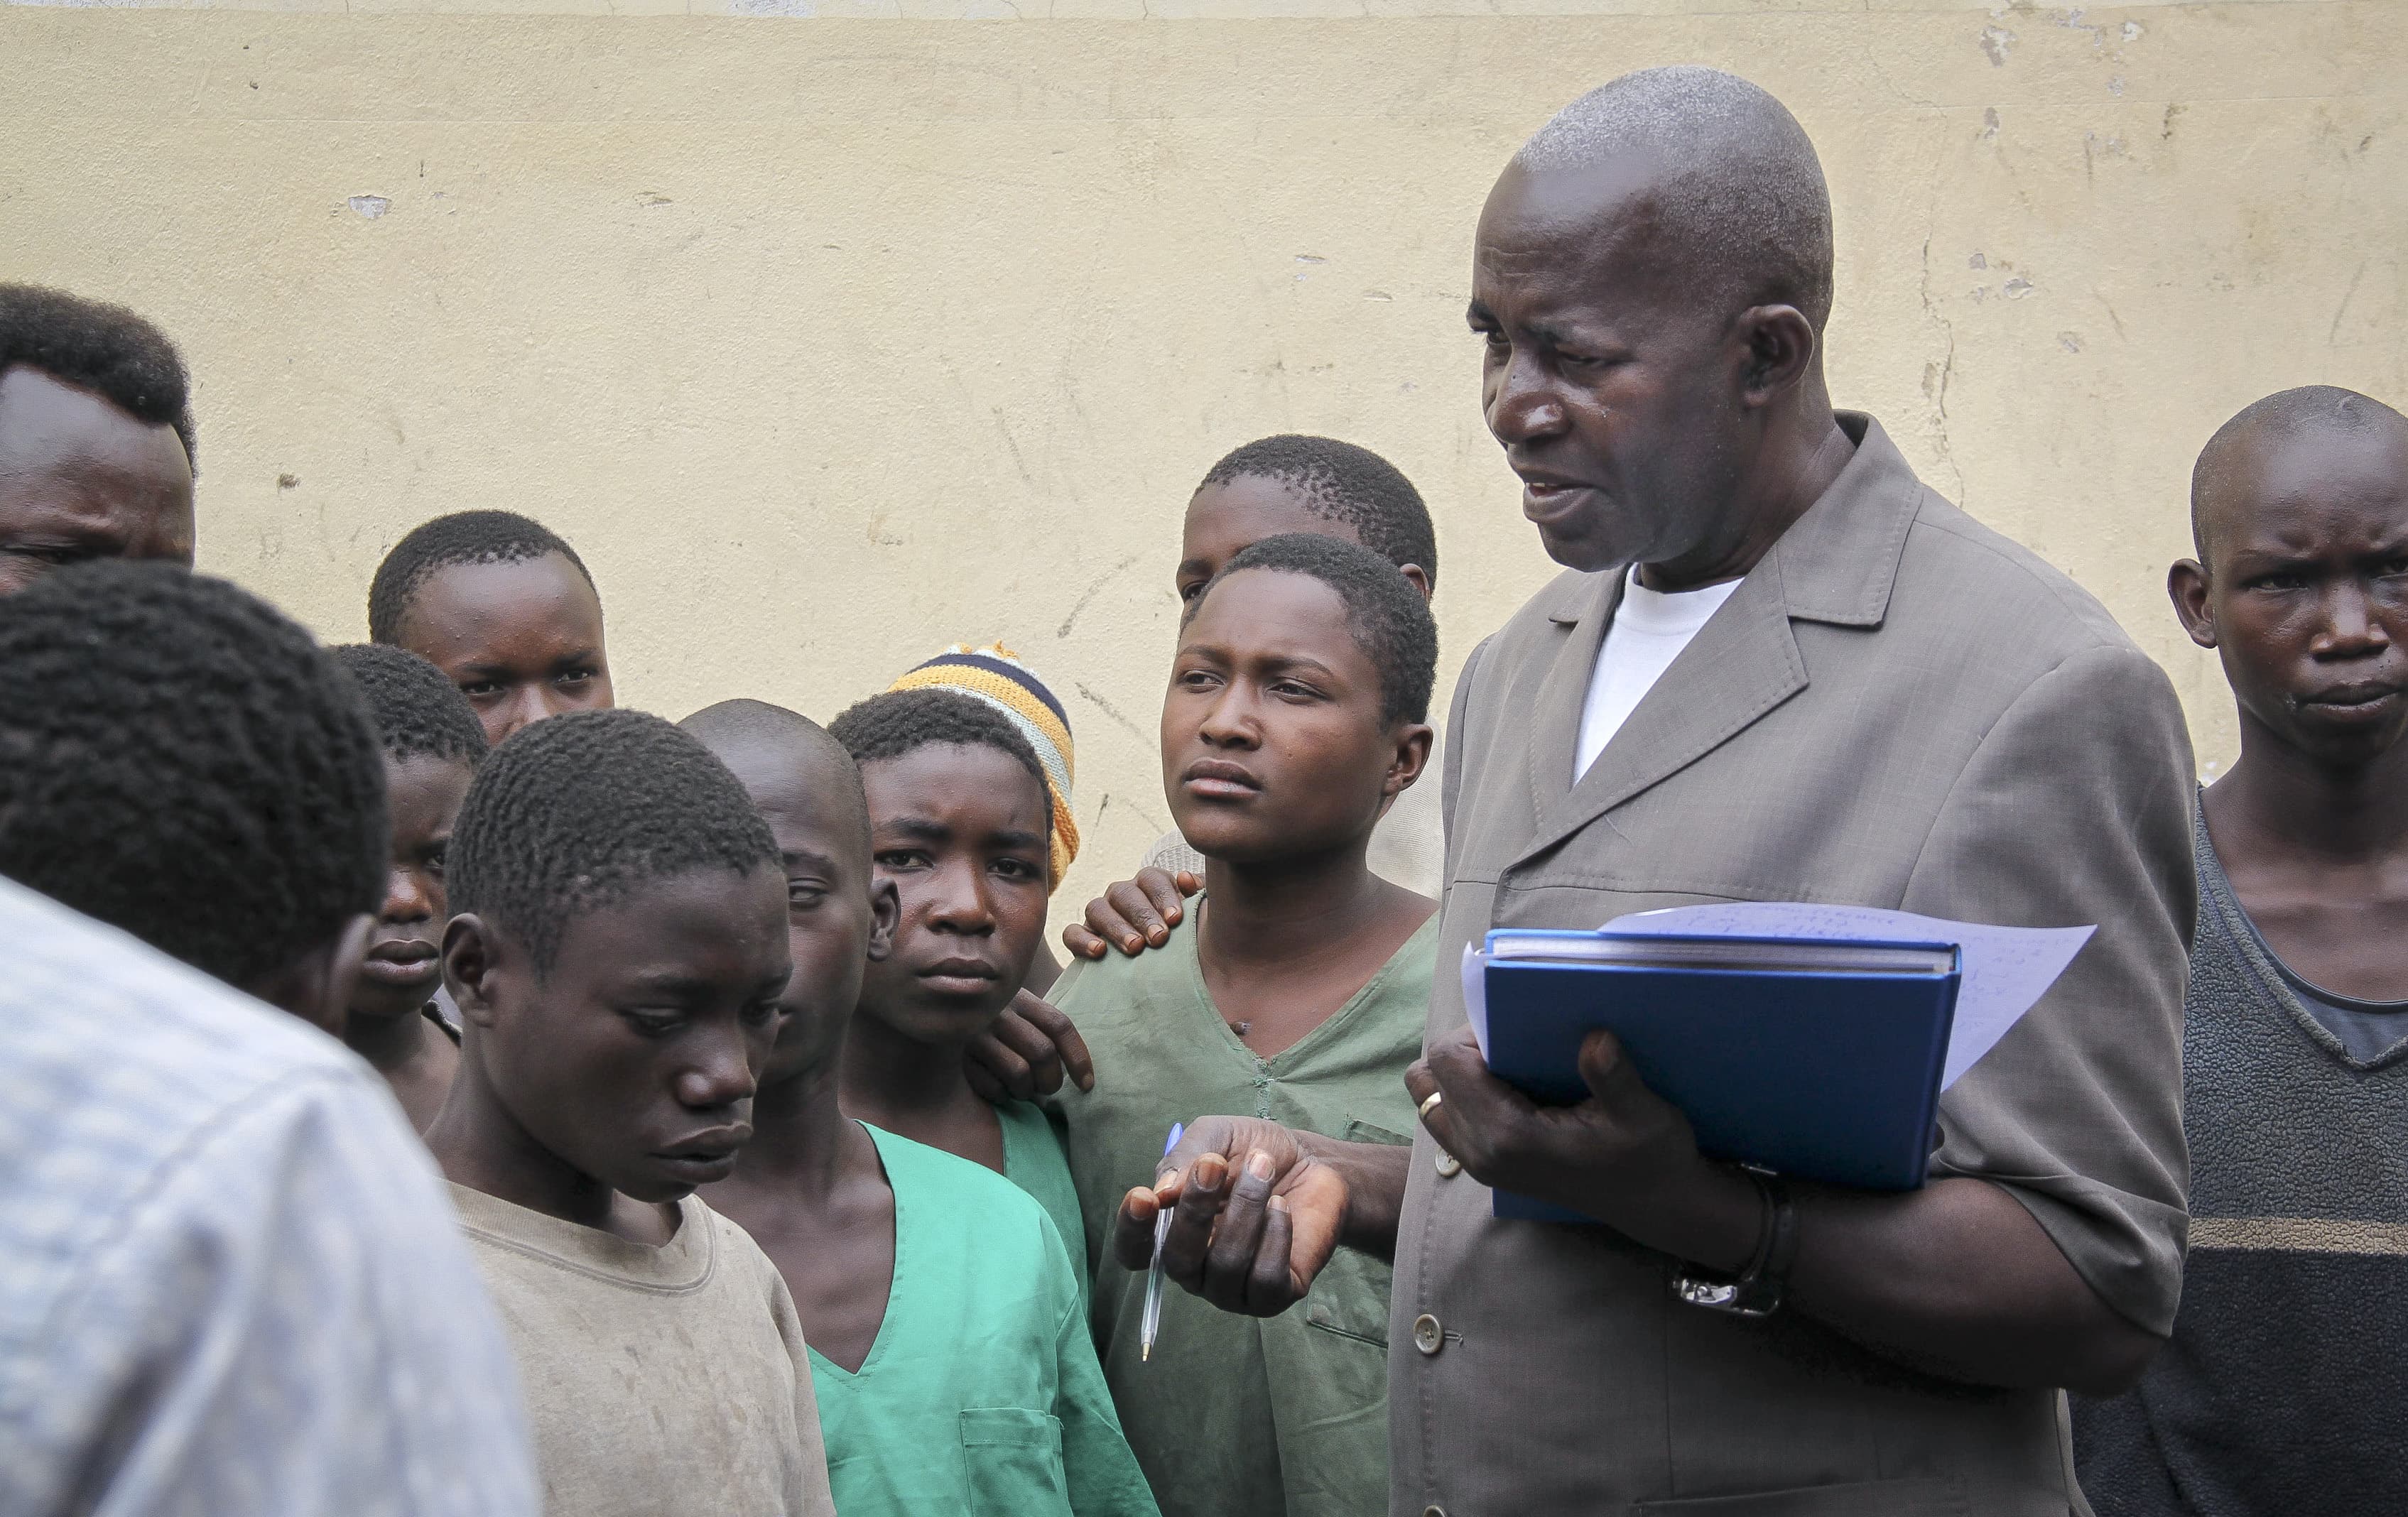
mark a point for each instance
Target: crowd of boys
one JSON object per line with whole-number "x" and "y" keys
{"x": 732, "y": 1161}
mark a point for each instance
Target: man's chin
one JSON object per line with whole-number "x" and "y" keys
{"x": 1580, "y": 550}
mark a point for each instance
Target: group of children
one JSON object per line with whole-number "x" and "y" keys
{"x": 701, "y": 1020}
{"x": 932, "y": 1245}
{"x": 576, "y": 991}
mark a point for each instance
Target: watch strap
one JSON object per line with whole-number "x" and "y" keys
{"x": 1757, "y": 1291}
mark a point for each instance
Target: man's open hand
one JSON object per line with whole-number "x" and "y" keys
{"x": 1254, "y": 1216}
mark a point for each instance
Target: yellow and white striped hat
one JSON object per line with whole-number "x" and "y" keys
{"x": 994, "y": 674}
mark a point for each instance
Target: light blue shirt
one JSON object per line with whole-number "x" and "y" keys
{"x": 229, "y": 1281}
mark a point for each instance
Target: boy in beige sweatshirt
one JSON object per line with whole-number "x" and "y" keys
{"x": 617, "y": 958}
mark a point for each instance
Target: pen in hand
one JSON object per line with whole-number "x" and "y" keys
{"x": 1152, "y": 1322}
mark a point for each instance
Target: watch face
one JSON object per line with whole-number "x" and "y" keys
{"x": 1738, "y": 1298}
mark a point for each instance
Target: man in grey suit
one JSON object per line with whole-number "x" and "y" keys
{"x": 1779, "y": 668}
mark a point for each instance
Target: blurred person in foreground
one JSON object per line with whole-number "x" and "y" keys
{"x": 229, "y": 1279}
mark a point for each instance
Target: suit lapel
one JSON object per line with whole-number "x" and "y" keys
{"x": 1836, "y": 565}
{"x": 1743, "y": 662}
{"x": 1563, "y": 692}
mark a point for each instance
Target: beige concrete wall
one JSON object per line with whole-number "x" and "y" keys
{"x": 829, "y": 341}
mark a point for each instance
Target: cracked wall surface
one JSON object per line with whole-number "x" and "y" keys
{"x": 830, "y": 341}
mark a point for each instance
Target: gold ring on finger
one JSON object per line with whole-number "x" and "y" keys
{"x": 1429, "y": 1103}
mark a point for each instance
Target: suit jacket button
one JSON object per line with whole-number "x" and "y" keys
{"x": 1433, "y": 1510}
{"x": 1427, "y": 1336}
{"x": 1448, "y": 1165}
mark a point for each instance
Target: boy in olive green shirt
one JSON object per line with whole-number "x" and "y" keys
{"x": 1295, "y": 990}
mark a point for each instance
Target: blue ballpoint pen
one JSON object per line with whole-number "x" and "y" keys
{"x": 1152, "y": 1322}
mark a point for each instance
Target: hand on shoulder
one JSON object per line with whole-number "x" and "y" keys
{"x": 1026, "y": 1053}
{"x": 1133, "y": 915}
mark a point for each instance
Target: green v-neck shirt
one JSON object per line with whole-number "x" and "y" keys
{"x": 1240, "y": 1416}
{"x": 981, "y": 1395}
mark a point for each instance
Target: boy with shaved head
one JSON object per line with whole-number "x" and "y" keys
{"x": 949, "y": 1353}
{"x": 1289, "y": 484}
{"x": 432, "y": 747}
{"x": 2281, "y": 1390}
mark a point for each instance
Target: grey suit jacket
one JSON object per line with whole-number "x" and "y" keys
{"x": 1898, "y": 708}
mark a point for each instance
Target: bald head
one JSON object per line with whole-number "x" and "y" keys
{"x": 2280, "y": 445}
{"x": 1737, "y": 196}
{"x": 787, "y": 763}
{"x": 1650, "y": 281}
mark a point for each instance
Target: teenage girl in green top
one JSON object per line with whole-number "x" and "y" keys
{"x": 1294, "y": 990}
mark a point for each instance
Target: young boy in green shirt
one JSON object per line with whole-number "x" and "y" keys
{"x": 960, "y": 824}
{"x": 432, "y": 747}
{"x": 941, "y": 1305}
{"x": 618, "y": 955}
{"x": 1295, "y": 990}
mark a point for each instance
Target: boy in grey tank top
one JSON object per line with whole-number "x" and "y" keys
{"x": 2281, "y": 1387}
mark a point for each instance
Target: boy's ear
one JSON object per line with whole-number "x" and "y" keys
{"x": 317, "y": 986}
{"x": 471, "y": 951}
{"x": 1412, "y": 755}
{"x": 885, "y": 914}
{"x": 2187, "y": 585}
{"x": 1418, "y": 578}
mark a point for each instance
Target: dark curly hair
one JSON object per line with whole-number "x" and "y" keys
{"x": 1343, "y": 483}
{"x": 178, "y": 760}
{"x": 102, "y": 348}
{"x": 461, "y": 537}
{"x": 576, "y": 813}
{"x": 418, "y": 711}
{"x": 900, "y": 721}
{"x": 1390, "y": 620}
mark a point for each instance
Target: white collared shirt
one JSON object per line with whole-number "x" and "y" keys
{"x": 1650, "y": 628}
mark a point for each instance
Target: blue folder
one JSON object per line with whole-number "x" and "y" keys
{"x": 1816, "y": 1060}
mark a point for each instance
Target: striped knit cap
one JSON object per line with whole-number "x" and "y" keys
{"x": 996, "y": 675}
